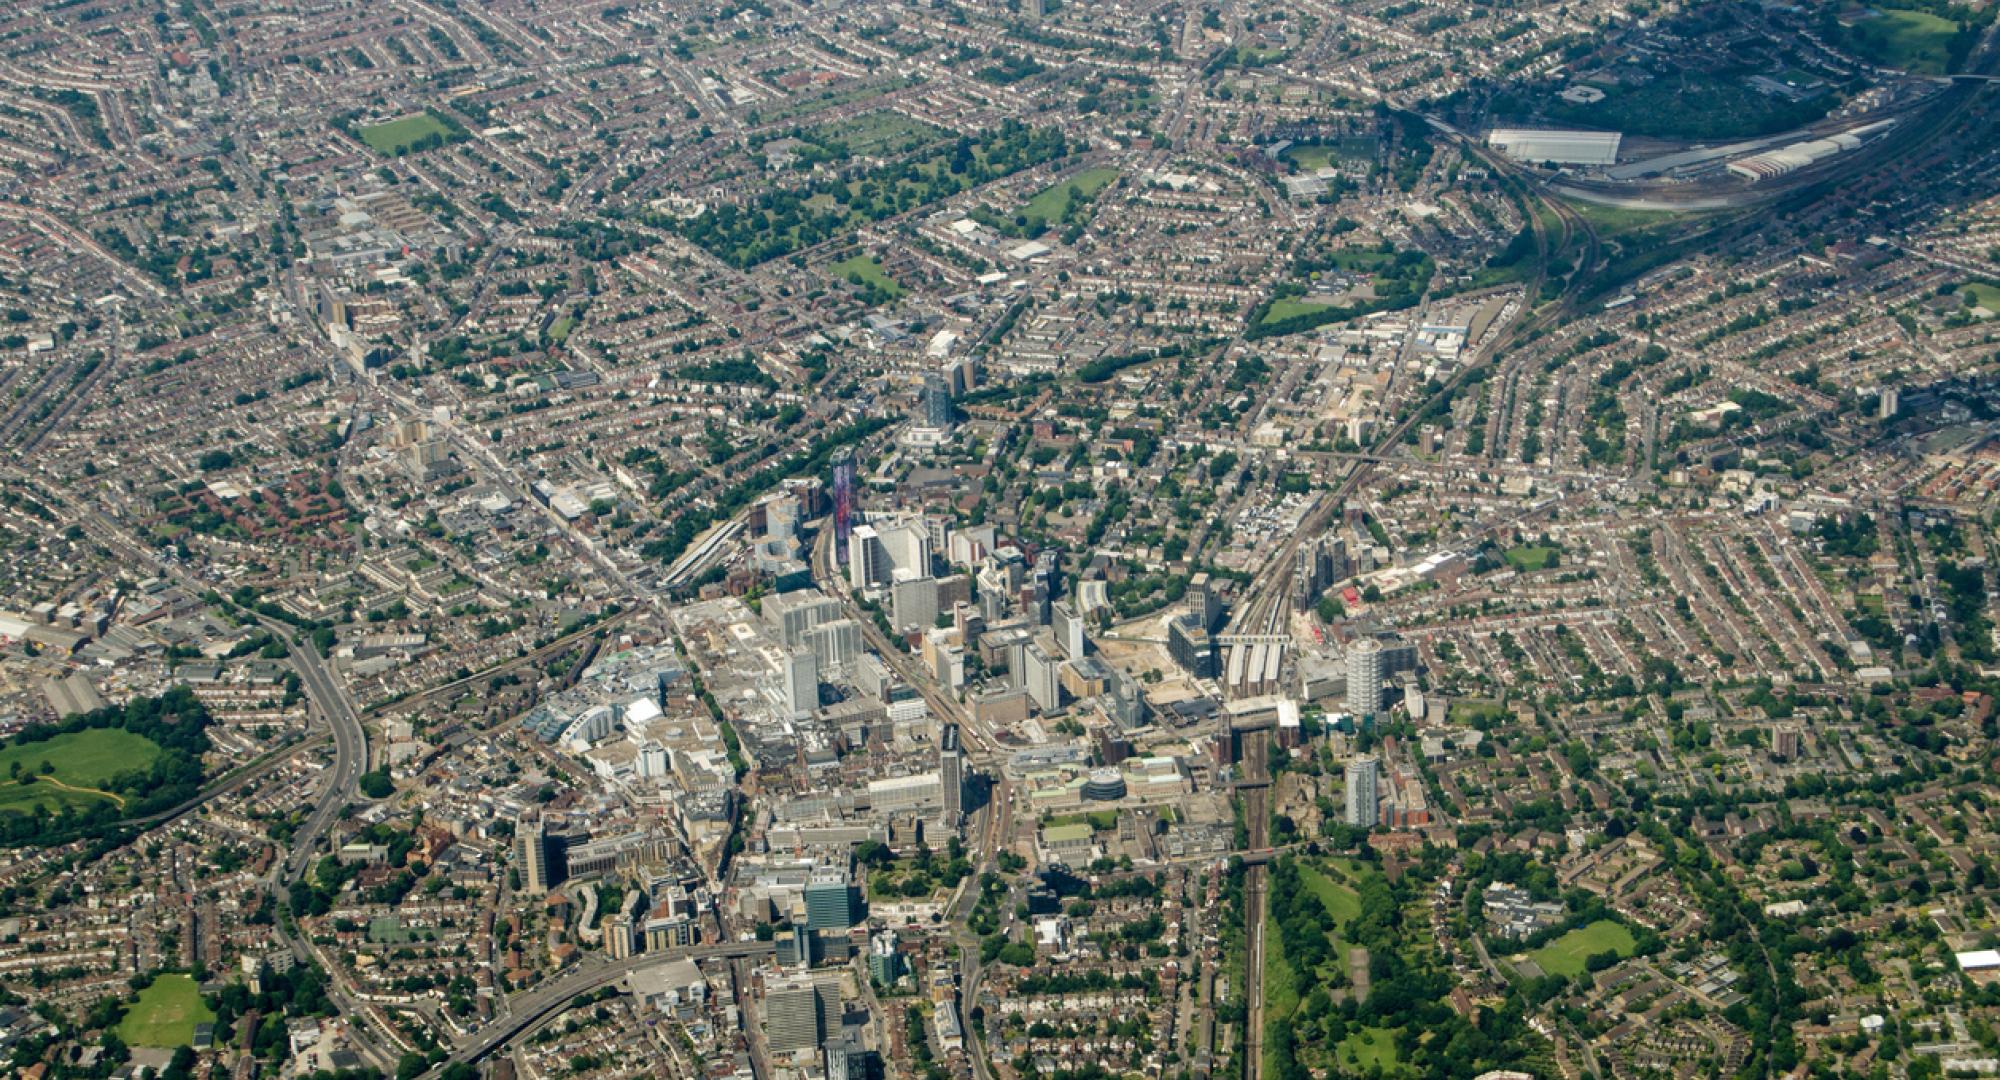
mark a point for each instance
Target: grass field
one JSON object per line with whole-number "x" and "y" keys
{"x": 1469, "y": 712}
{"x": 1983, "y": 294}
{"x": 389, "y": 929}
{"x": 1098, "y": 820}
{"x": 1280, "y": 1000}
{"x": 1280, "y": 310}
{"x": 398, "y": 136}
{"x": 1566, "y": 954}
{"x": 868, "y": 269}
{"x": 1531, "y": 556}
{"x": 82, "y": 761}
{"x": 1615, "y": 221}
{"x": 1369, "y": 1046}
{"x": 1351, "y": 149}
{"x": 166, "y": 1013}
{"x": 1914, "y": 41}
{"x": 1054, "y": 202}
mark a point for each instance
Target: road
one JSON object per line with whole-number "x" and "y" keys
{"x": 529, "y": 1010}
{"x": 350, "y": 749}
{"x": 340, "y": 787}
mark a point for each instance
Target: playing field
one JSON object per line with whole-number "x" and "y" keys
{"x": 1468, "y": 712}
{"x": 81, "y": 762}
{"x": 1983, "y": 295}
{"x": 1530, "y": 556}
{"x": 1566, "y": 954}
{"x": 868, "y": 269}
{"x": 398, "y": 136}
{"x": 1280, "y": 310}
{"x": 166, "y": 1013}
{"x": 1914, "y": 41}
{"x": 1054, "y": 202}
{"x": 1352, "y": 149}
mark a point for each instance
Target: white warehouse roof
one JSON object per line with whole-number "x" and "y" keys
{"x": 1561, "y": 147}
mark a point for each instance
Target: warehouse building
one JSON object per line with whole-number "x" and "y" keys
{"x": 1560, "y": 147}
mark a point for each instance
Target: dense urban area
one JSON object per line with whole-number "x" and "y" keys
{"x": 999, "y": 539}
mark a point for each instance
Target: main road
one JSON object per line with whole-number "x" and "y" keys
{"x": 529, "y": 1010}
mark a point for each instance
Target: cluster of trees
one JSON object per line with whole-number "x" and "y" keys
{"x": 1104, "y": 367}
{"x": 1093, "y": 981}
{"x": 781, "y": 221}
{"x": 1405, "y": 999}
{"x": 923, "y": 875}
{"x": 742, "y": 371}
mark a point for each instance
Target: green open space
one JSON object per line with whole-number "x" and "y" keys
{"x": 1531, "y": 556}
{"x": 1566, "y": 955}
{"x": 397, "y": 137}
{"x": 80, "y": 763}
{"x": 783, "y": 220}
{"x": 1681, "y": 105}
{"x": 1281, "y": 998}
{"x": 1349, "y": 149}
{"x": 871, "y": 272}
{"x": 1469, "y": 712}
{"x": 1368, "y": 1047}
{"x": 877, "y": 134}
{"x": 387, "y": 929}
{"x": 166, "y": 1013}
{"x": 1914, "y": 41}
{"x": 1054, "y": 203}
{"x": 1982, "y": 294}
{"x": 1098, "y": 820}
{"x": 1287, "y": 308}
{"x": 1613, "y": 221}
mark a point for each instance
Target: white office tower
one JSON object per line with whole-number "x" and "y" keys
{"x": 654, "y": 762}
{"x": 951, "y": 774}
{"x": 1364, "y": 677}
{"x": 532, "y": 847}
{"x": 1068, "y": 626}
{"x": 908, "y": 543}
{"x": 837, "y": 644}
{"x": 1361, "y": 796}
{"x": 1044, "y": 678}
{"x": 877, "y": 550}
{"x": 795, "y": 614}
{"x": 781, "y": 517}
{"x": 868, "y": 564}
{"x": 792, "y": 1015}
{"x": 913, "y": 600}
{"x": 801, "y": 678}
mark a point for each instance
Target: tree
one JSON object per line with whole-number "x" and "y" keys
{"x": 377, "y": 785}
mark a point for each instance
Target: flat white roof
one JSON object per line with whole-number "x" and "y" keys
{"x": 1562, "y": 147}
{"x": 1980, "y": 958}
